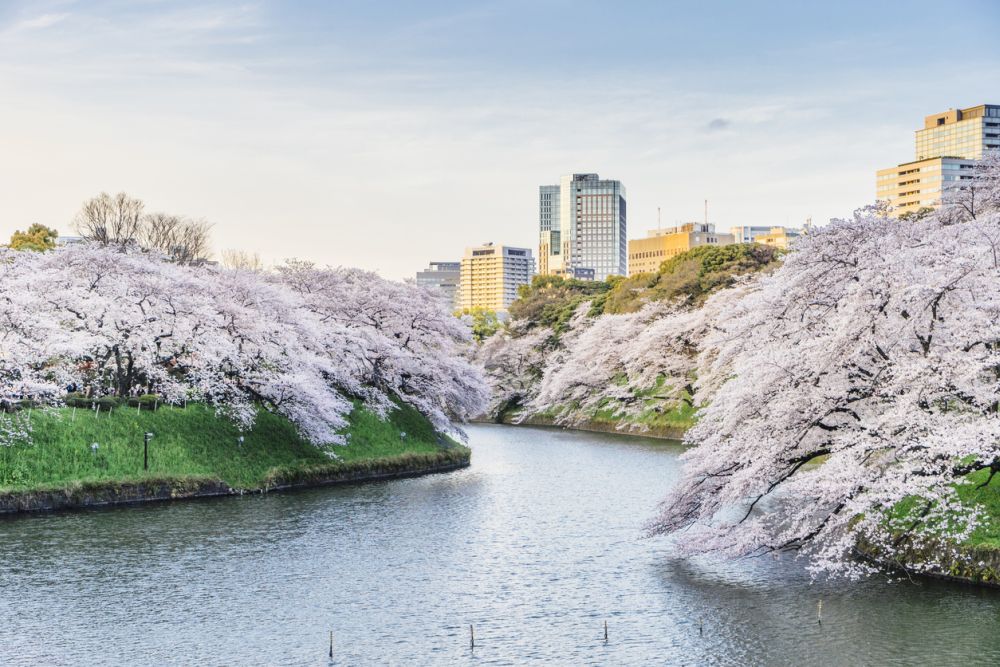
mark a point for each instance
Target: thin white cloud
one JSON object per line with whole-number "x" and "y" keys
{"x": 41, "y": 21}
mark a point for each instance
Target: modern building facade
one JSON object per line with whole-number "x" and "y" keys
{"x": 549, "y": 230}
{"x": 443, "y": 276}
{"x": 646, "y": 255}
{"x": 491, "y": 274}
{"x": 915, "y": 185}
{"x": 961, "y": 133}
{"x": 582, "y": 226}
{"x": 945, "y": 150}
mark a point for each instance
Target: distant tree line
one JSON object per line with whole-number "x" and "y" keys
{"x": 120, "y": 221}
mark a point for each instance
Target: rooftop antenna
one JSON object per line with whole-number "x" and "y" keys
{"x": 658, "y": 218}
{"x": 706, "y": 211}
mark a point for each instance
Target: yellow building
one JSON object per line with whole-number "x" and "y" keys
{"x": 646, "y": 255}
{"x": 779, "y": 237}
{"x": 945, "y": 150}
{"x": 490, "y": 276}
{"x": 916, "y": 185}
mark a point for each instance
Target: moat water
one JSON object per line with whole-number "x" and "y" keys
{"x": 537, "y": 544}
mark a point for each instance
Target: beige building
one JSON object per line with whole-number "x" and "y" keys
{"x": 945, "y": 150}
{"x": 779, "y": 237}
{"x": 916, "y": 185}
{"x": 646, "y": 255}
{"x": 491, "y": 274}
{"x": 776, "y": 235}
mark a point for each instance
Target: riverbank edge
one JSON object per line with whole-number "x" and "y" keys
{"x": 972, "y": 565}
{"x": 112, "y": 493}
{"x": 660, "y": 433}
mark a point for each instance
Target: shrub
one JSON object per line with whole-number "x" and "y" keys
{"x": 78, "y": 400}
{"x": 145, "y": 402}
{"x": 106, "y": 403}
{"x": 552, "y": 300}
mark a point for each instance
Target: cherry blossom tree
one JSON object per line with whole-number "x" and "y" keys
{"x": 848, "y": 395}
{"x": 514, "y": 361}
{"x": 976, "y": 194}
{"x": 400, "y": 340}
{"x": 121, "y": 322}
{"x": 626, "y": 364}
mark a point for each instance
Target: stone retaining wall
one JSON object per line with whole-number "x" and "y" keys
{"x": 106, "y": 494}
{"x": 663, "y": 432}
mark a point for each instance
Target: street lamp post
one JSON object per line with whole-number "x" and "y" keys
{"x": 145, "y": 450}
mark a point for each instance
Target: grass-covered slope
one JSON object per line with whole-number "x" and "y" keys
{"x": 988, "y": 534}
{"x": 194, "y": 443}
{"x": 975, "y": 560}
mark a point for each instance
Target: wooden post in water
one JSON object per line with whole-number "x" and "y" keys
{"x": 605, "y": 632}
{"x": 819, "y": 613}
{"x": 701, "y": 626}
{"x": 472, "y": 637}
{"x": 331, "y": 644}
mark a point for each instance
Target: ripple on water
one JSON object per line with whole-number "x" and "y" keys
{"x": 537, "y": 544}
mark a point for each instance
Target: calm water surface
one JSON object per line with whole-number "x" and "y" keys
{"x": 537, "y": 544}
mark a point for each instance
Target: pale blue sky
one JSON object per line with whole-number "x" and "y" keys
{"x": 389, "y": 134}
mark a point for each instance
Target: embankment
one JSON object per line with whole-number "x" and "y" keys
{"x": 661, "y": 432}
{"x": 82, "y": 458}
{"x": 110, "y": 493}
{"x": 972, "y": 564}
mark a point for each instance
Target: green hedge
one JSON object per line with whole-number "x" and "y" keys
{"x": 106, "y": 403}
{"x": 145, "y": 402}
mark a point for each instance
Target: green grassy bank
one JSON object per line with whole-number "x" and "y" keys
{"x": 975, "y": 560}
{"x": 988, "y": 534}
{"x": 193, "y": 445}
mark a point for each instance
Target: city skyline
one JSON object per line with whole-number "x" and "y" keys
{"x": 300, "y": 132}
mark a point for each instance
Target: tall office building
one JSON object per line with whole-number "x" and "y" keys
{"x": 582, "y": 228}
{"x": 491, "y": 275}
{"x": 549, "y": 243}
{"x": 443, "y": 276}
{"x": 946, "y": 149}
